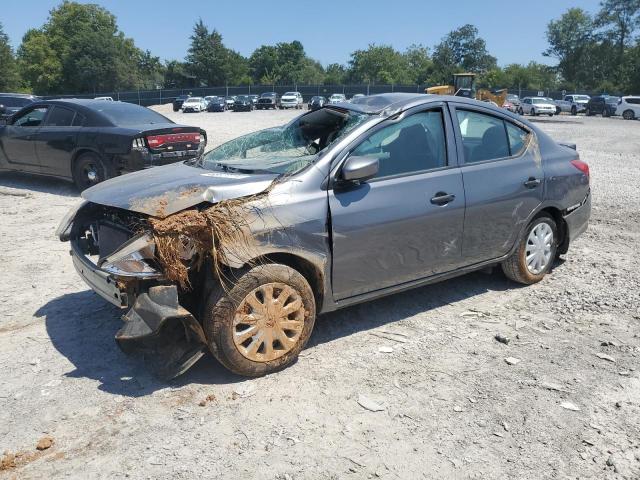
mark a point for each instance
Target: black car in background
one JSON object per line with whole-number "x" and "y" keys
{"x": 268, "y": 100}
{"x": 10, "y": 103}
{"x": 178, "y": 101}
{"x": 604, "y": 105}
{"x": 243, "y": 103}
{"x": 217, "y": 104}
{"x": 317, "y": 102}
{"x": 89, "y": 141}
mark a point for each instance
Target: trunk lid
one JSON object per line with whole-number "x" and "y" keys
{"x": 163, "y": 191}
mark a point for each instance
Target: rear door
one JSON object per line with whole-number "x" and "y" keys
{"x": 18, "y": 141}
{"x": 503, "y": 180}
{"x": 393, "y": 229}
{"x": 56, "y": 141}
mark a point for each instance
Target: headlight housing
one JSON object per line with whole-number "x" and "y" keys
{"x": 135, "y": 258}
{"x": 64, "y": 229}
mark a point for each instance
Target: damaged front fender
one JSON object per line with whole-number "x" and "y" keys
{"x": 167, "y": 335}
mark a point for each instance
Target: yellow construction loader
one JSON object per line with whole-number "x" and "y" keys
{"x": 464, "y": 86}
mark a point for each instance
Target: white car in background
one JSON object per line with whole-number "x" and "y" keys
{"x": 629, "y": 107}
{"x": 291, "y": 100}
{"x": 537, "y": 106}
{"x": 194, "y": 104}
{"x": 337, "y": 98}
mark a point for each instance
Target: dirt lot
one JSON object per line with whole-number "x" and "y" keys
{"x": 449, "y": 404}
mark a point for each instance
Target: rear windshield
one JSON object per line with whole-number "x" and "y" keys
{"x": 127, "y": 114}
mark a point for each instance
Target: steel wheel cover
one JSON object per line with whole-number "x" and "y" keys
{"x": 538, "y": 249}
{"x": 268, "y": 323}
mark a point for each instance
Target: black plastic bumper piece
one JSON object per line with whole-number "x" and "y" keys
{"x": 169, "y": 337}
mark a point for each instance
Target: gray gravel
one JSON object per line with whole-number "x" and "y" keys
{"x": 447, "y": 404}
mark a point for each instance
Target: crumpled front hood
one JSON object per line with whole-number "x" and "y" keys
{"x": 163, "y": 191}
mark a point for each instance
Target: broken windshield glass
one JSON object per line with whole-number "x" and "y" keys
{"x": 287, "y": 149}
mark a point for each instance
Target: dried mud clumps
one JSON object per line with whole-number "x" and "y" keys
{"x": 221, "y": 231}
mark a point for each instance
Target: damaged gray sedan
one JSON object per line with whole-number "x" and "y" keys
{"x": 239, "y": 250}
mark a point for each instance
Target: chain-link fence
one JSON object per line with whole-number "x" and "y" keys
{"x": 160, "y": 96}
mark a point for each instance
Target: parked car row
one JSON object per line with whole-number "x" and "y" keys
{"x": 628, "y": 107}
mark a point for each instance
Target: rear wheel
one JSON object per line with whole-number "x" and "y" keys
{"x": 628, "y": 115}
{"x": 520, "y": 111}
{"x": 262, "y": 322}
{"x": 536, "y": 252}
{"x": 90, "y": 169}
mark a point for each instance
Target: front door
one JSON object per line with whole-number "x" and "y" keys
{"x": 56, "y": 142}
{"x": 406, "y": 223}
{"x": 19, "y": 140}
{"x": 503, "y": 180}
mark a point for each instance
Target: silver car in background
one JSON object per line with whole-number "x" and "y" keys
{"x": 239, "y": 251}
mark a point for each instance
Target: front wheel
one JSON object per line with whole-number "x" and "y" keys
{"x": 533, "y": 112}
{"x": 89, "y": 169}
{"x": 628, "y": 115}
{"x": 535, "y": 253}
{"x": 574, "y": 111}
{"x": 260, "y": 324}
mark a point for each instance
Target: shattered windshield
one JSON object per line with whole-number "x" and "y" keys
{"x": 285, "y": 149}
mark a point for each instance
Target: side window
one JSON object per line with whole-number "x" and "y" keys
{"x": 483, "y": 136}
{"x": 31, "y": 118}
{"x": 78, "y": 120}
{"x": 60, "y": 117}
{"x": 633, "y": 101}
{"x": 414, "y": 144}
{"x": 518, "y": 138}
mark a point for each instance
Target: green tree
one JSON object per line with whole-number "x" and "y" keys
{"x": 40, "y": 66}
{"x": 380, "y": 64}
{"x": 176, "y": 75}
{"x": 618, "y": 21}
{"x": 80, "y": 49}
{"x": 570, "y": 37}
{"x": 335, "y": 74}
{"x": 419, "y": 63}
{"x": 9, "y": 78}
{"x": 461, "y": 50}
{"x": 285, "y": 63}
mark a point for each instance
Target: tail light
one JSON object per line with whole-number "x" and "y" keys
{"x": 156, "y": 141}
{"x": 582, "y": 166}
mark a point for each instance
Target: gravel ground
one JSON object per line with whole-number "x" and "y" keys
{"x": 449, "y": 405}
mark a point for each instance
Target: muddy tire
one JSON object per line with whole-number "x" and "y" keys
{"x": 263, "y": 322}
{"x": 89, "y": 169}
{"x": 535, "y": 253}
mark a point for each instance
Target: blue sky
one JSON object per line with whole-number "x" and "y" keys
{"x": 329, "y": 30}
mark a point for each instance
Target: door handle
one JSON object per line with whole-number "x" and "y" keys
{"x": 532, "y": 182}
{"x": 442, "y": 198}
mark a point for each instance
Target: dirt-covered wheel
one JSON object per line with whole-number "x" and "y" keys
{"x": 90, "y": 169}
{"x": 535, "y": 253}
{"x": 262, "y": 322}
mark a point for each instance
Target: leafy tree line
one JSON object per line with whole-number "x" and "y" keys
{"x": 80, "y": 49}
{"x": 598, "y": 51}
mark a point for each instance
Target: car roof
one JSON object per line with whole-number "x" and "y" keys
{"x": 20, "y": 95}
{"x": 392, "y": 103}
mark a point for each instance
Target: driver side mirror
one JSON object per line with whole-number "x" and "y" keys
{"x": 359, "y": 168}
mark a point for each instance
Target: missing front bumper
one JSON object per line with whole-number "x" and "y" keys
{"x": 169, "y": 337}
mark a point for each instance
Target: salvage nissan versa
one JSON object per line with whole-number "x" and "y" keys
{"x": 239, "y": 250}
